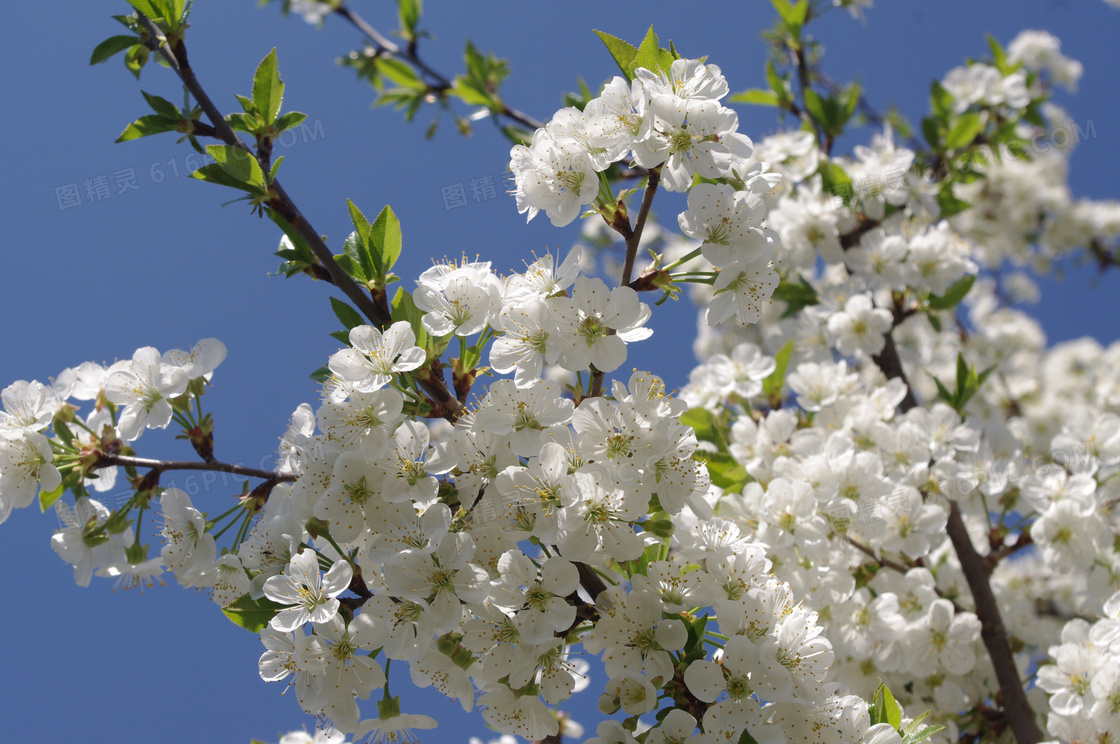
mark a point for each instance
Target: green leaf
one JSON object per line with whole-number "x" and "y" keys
{"x": 470, "y": 93}
{"x": 110, "y": 47}
{"x": 361, "y": 225}
{"x": 135, "y": 59}
{"x": 321, "y": 375}
{"x": 746, "y": 738}
{"x": 940, "y": 100}
{"x": 850, "y": 100}
{"x": 835, "y": 180}
{"x": 252, "y": 614}
{"x": 943, "y": 393}
{"x": 290, "y": 120}
{"x": 914, "y": 735}
{"x": 161, "y": 106}
{"x": 755, "y": 96}
{"x": 268, "y": 89}
{"x": 890, "y": 708}
{"x": 999, "y": 57}
{"x": 778, "y": 84}
{"x": 953, "y": 295}
{"x": 146, "y": 126}
{"x": 816, "y": 106}
{"x": 355, "y": 259}
{"x": 233, "y": 167}
{"x": 349, "y": 265}
{"x": 409, "y": 13}
{"x": 703, "y": 422}
{"x": 695, "y": 626}
{"x": 247, "y": 104}
{"x": 964, "y": 131}
{"x": 47, "y": 498}
{"x": 725, "y": 471}
{"x": 385, "y": 240}
{"x": 651, "y": 56}
{"x": 341, "y": 336}
{"x": 62, "y": 431}
{"x": 147, "y": 7}
{"x": 948, "y": 202}
{"x": 405, "y": 309}
{"x": 400, "y": 73}
{"x": 621, "y": 51}
{"x": 303, "y": 254}
{"x": 962, "y": 374}
{"x": 796, "y": 295}
{"x": 350, "y": 317}
{"x": 931, "y": 130}
{"x": 772, "y": 386}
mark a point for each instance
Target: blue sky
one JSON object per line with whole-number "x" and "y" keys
{"x": 163, "y": 264}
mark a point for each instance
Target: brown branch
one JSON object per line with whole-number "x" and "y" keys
{"x": 635, "y": 237}
{"x": 992, "y": 559}
{"x": 105, "y": 460}
{"x": 1018, "y": 711}
{"x": 888, "y": 361}
{"x": 884, "y": 562}
{"x": 1019, "y": 714}
{"x": 898, "y": 567}
{"x": 282, "y": 203}
{"x": 590, "y": 581}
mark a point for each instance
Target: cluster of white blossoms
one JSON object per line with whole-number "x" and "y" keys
{"x": 1083, "y": 678}
{"x": 671, "y": 122}
{"x": 142, "y": 391}
{"x": 753, "y": 556}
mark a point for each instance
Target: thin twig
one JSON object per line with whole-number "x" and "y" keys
{"x": 442, "y": 83}
{"x": 105, "y": 460}
{"x": 636, "y": 236}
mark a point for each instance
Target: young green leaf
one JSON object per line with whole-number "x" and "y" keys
{"x": 953, "y": 295}
{"x": 161, "y": 106}
{"x": 146, "y": 126}
{"x": 409, "y": 13}
{"x": 385, "y": 240}
{"x": 796, "y": 295}
{"x": 349, "y": 317}
{"x": 135, "y": 59}
{"x": 252, "y": 614}
{"x": 355, "y": 259}
{"x": 772, "y": 386}
{"x": 268, "y": 89}
{"x": 755, "y": 96}
{"x": 110, "y": 47}
{"x": 964, "y": 131}
{"x": 621, "y": 51}
{"x": 651, "y": 56}
{"x": 405, "y": 309}
{"x": 233, "y": 167}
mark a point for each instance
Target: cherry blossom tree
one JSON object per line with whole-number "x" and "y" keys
{"x": 881, "y": 511}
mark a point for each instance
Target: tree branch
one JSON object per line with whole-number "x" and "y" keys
{"x": 636, "y": 236}
{"x": 282, "y": 203}
{"x": 442, "y": 83}
{"x": 1018, "y": 711}
{"x": 105, "y": 460}
{"x": 1019, "y": 714}
{"x": 888, "y": 361}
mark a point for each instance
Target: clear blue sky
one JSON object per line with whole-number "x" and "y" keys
{"x": 165, "y": 265}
